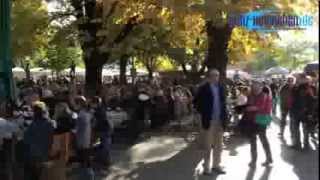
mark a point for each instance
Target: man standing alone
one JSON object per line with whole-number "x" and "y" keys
{"x": 210, "y": 103}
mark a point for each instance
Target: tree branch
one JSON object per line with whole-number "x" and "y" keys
{"x": 184, "y": 69}
{"x": 126, "y": 30}
{"x": 59, "y": 15}
{"x": 77, "y": 5}
{"x": 112, "y": 10}
{"x": 203, "y": 68}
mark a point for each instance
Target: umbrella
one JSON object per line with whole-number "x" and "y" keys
{"x": 311, "y": 67}
{"x": 277, "y": 71}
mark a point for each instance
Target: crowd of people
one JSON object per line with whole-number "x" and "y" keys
{"x": 254, "y": 106}
{"x": 57, "y": 122}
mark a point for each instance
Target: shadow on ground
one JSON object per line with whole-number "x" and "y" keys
{"x": 305, "y": 163}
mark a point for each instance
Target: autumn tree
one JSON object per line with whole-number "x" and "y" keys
{"x": 152, "y": 45}
{"x": 188, "y": 44}
{"x": 111, "y": 28}
{"x": 219, "y": 32}
{"x": 103, "y": 26}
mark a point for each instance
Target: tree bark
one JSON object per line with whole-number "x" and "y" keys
{"x": 123, "y": 69}
{"x": 28, "y": 73}
{"x": 85, "y": 12}
{"x": 150, "y": 74}
{"x": 93, "y": 78}
{"x": 218, "y": 39}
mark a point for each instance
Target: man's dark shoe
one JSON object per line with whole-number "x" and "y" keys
{"x": 267, "y": 162}
{"x": 206, "y": 173}
{"x": 252, "y": 164}
{"x": 306, "y": 147}
{"x": 219, "y": 170}
{"x": 296, "y": 147}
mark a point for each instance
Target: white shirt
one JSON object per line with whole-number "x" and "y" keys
{"x": 241, "y": 100}
{"x": 83, "y": 129}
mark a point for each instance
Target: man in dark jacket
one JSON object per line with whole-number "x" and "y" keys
{"x": 286, "y": 99}
{"x": 274, "y": 86}
{"x": 302, "y": 109}
{"x": 38, "y": 139}
{"x": 211, "y": 104}
{"x": 104, "y": 130}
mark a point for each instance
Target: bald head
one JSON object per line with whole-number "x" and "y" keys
{"x": 213, "y": 76}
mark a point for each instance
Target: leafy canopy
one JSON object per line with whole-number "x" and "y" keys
{"x": 29, "y": 28}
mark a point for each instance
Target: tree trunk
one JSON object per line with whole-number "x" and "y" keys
{"x": 150, "y": 74}
{"x": 123, "y": 69}
{"x": 218, "y": 39}
{"x": 87, "y": 12}
{"x": 194, "y": 76}
{"x": 93, "y": 78}
{"x": 28, "y": 73}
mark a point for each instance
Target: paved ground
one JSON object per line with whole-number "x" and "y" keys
{"x": 176, "y": 156}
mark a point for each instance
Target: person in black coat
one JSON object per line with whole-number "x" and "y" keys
{"x": 64, "y": 118}
{"x": 104, "y": 131}
{"x": 210, "y": 102}
{"x": 304, "y": 101}
{"x": 159, "y": 110}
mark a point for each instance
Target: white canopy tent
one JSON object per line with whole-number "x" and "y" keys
{"x": 277, "y": 71}
{"x": 38, "y": 72}
{"x": 18, "y": 73}
{"x": 243, "y": 75}
{"x": 78, "y": 71}
{"x": 116, "y": 72}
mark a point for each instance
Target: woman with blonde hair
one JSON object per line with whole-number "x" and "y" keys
{"x": 257, "y": 116}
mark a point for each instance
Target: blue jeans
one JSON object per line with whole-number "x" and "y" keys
{"x": 274, "y": 105}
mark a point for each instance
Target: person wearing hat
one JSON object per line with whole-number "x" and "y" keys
{"x": 38, "y": 140}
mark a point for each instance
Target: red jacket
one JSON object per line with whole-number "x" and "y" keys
{"x": 264, "y": 104}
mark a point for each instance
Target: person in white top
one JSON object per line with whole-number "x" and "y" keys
{"x": 242, "y": 98}
{"x": 83, "y": 130}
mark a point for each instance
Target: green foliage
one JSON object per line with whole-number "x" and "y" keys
{"x": 296, "y": 54}
{"x": 177, "y": 29}
{"x": 263, "y": 62}
{"x": 247, "y": 46}
{"x": 60, "y": 58}
{"x": 29, "y": 28}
